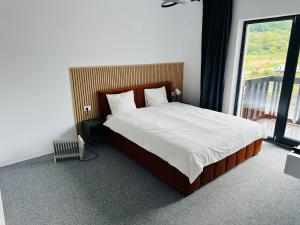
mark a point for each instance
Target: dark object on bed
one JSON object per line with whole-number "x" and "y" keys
{"x": 158, "y": 166}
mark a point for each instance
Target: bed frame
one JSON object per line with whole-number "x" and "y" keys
{"x": 158, "y": 166}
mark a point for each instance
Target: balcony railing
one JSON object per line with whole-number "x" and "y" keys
{"x": 261, "y": 98}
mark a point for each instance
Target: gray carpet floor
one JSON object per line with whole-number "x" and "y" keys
{"x": 113, "y": 189}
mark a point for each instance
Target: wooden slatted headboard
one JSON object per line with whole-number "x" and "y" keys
{"x": 87, "y": 81}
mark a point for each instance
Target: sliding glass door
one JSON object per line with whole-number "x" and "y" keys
{"x": 293, "y": 118}
{"x": 268, "y": 90}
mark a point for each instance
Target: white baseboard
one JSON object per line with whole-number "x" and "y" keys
{"x": 27, "y": 157}
{"x": 2, "y": 221}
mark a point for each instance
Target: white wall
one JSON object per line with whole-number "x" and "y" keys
{"x": 2, "y": 221}
{"x": 247, "y": 10}
{"x": 41, "y": 39}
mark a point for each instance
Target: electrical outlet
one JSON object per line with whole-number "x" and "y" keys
{"x": 87, "y": 108}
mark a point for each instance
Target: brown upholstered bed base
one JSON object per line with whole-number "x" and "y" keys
{"x": 174, "y": 177}
{"x": 156, "y": 165}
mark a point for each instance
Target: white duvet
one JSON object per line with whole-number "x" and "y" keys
{"x": 187, "y": 137}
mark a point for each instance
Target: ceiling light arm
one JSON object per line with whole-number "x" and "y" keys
{"x": 169, "y": 3}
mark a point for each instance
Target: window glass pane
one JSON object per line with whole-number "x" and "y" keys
{"x": 292, "y": 129}
{"x": 265, "y": 52}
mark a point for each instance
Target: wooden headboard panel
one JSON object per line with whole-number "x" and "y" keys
{"x": 86, "y": 82}
{"x": 139, "y": 96}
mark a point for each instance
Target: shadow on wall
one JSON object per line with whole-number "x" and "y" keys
{"x": 68, "y": 134}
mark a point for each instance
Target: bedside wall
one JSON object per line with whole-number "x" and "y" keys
{"x": 41, "y": 40}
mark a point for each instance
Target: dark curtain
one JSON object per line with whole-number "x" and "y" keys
{"x": 217, "y": 16}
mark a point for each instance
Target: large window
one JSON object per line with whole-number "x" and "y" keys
{"x": 268, "y": 90}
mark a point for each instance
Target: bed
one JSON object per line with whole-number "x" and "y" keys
{"x": 185, "y": 146}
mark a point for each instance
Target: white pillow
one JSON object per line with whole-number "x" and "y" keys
{"x": 155, "y": 96}
{"x": 120, "y": 103}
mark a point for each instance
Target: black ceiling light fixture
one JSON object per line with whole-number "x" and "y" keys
{"x": 169, "y": 3}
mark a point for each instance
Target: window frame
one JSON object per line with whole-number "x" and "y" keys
{"x": 280, "y": 123}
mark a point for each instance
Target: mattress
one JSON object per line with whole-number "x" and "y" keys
{"x": 187, "y": 137}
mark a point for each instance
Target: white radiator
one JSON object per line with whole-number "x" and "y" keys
{"x": 68, "y": 149}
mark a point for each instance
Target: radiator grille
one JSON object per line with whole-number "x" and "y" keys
{"x": 68, "y": 149}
